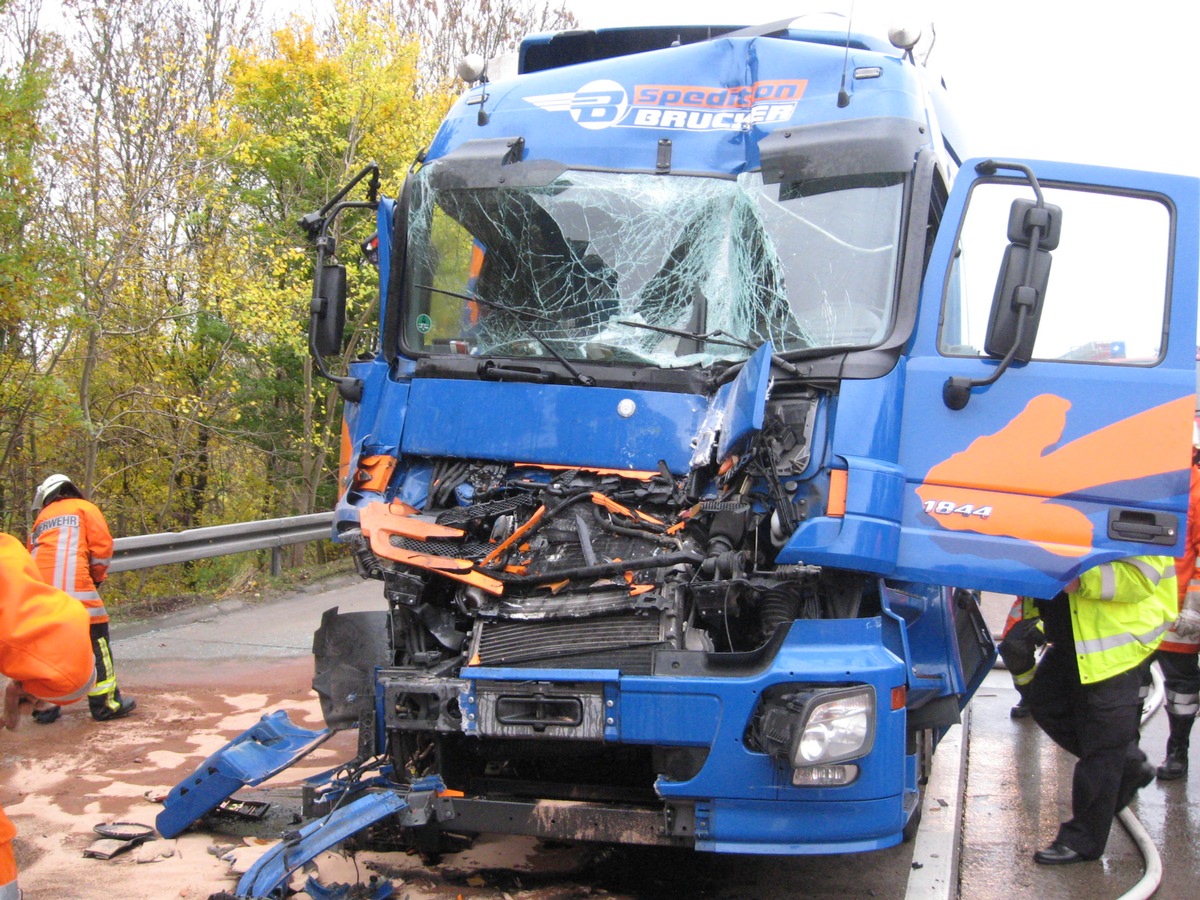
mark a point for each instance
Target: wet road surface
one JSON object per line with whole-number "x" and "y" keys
{"x": 204, "y": 676}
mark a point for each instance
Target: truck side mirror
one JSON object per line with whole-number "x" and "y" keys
{"x": 1034, "y": 227}
{"x": 1033, "y": 231}
{"x": 328, "y": 311}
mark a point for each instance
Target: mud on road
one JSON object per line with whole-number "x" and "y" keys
{"x": 61, "y": 780}
{"x": 58, "y": 781}
{"x": 201, "y": 680}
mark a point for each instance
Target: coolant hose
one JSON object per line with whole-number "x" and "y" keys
{"x": 1153, "y": 875}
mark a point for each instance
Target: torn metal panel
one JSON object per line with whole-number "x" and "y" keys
{"x": 257, "y": 754}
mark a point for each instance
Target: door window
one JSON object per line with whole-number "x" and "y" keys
{"x": 1107, "y": 294}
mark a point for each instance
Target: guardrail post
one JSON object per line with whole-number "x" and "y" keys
{"x": 276, "y": 561}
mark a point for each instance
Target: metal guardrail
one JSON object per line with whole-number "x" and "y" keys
{"x": 147, "y": 550}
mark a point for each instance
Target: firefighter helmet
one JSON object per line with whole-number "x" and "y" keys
{"x": 50, "y": 489}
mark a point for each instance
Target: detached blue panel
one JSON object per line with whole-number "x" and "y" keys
{"x": 746, "y": 405}
{"x": 273, "y": 868}
{"x": 251, "y": 758}
{"x": 552, "y": 423}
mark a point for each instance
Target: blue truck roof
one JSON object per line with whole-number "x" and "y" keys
{"x": 551, "y": 50}
{"x": 713, "y": 100}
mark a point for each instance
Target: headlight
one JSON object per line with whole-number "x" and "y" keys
{"x": 814, "y": 728}
{"x": 836, "y": 726}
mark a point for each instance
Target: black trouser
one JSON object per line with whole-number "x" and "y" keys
{"x": 1098, "y": 723}
{"x": 1181, "y": 681}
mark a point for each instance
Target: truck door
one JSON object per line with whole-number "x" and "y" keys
{"x": 1075, "y": 451}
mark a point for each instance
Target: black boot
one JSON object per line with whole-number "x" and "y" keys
{"x": 1176, "y": 763}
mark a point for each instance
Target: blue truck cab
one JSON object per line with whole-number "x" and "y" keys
{"x": 711, "y": 387}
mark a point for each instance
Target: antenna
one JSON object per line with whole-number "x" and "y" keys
{"x": 844, "y": 98}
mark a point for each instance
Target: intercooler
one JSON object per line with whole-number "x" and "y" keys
{"x": 625, "y": 642}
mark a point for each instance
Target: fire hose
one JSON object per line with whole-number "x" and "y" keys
{"x": 1153, "y": 874}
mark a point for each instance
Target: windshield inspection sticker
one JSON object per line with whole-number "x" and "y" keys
{"x": 424, "y": 323}
{"x": 606, "y": 104}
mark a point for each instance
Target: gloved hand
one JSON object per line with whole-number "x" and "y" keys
{"x": 1019, "y": 647}
{"x": 1187, "y": 626}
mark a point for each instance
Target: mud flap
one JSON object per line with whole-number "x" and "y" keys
{"x": 252, "y": 757}
{"x": 346, "y": 649}
{"x": 273, "y": 868}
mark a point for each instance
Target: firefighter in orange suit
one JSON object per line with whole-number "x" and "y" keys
{"x": 1177, "y": 655}
{"x": 45, "y": 649}
{"x": 73, "y": 547}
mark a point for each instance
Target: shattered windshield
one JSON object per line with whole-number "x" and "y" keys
{"x": 593, "y": 262}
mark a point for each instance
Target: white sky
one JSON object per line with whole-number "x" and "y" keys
{"x": 1043, "y": 79}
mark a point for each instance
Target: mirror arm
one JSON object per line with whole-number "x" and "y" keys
{"x": 957, "y": 389}
{"x": 317, "y": 225}
{"x": 956, "y": 392}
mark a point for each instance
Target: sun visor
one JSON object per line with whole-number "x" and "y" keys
{"x": 492, "y": 162}
{"x": 838, "y": 149}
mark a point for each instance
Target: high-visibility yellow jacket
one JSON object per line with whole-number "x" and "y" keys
{"x": 44, "y": 644}
{"x": 1120, "y": 613}
{"x": 73, "y": 548}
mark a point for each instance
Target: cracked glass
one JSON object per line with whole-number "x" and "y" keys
{"x": 590, "y": 264}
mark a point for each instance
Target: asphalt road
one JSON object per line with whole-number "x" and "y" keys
{"x": 1018, "y": 789}
{"x": 204, "y": 676}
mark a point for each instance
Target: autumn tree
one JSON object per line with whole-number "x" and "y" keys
{"x": 447, "y": 30}
{"x": 35, "y": 282}
{"x": 304, "y": 113}
{"x": 141, "y": 363}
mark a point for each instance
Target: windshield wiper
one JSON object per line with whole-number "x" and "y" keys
{"x": 518, "y": 313}
{"x": 714, "y": 337}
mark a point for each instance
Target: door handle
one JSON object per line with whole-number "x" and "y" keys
{"x": 1142, "y": 526}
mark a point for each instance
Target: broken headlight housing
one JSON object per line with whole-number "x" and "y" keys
{"x": 814, "y": 730}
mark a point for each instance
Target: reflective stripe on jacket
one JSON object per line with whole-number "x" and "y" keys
{"x": 1120, "y": 613}
{"x": 73, "y": 547}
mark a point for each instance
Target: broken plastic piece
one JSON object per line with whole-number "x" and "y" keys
{"x": 316, "y": 837}
{"x": 251, "y": 810}
{"x": 116, "y": 838}
{"x": 107, "y": 848}
{"x": 124, "y": 831}
{"x": 260, "y": 752}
